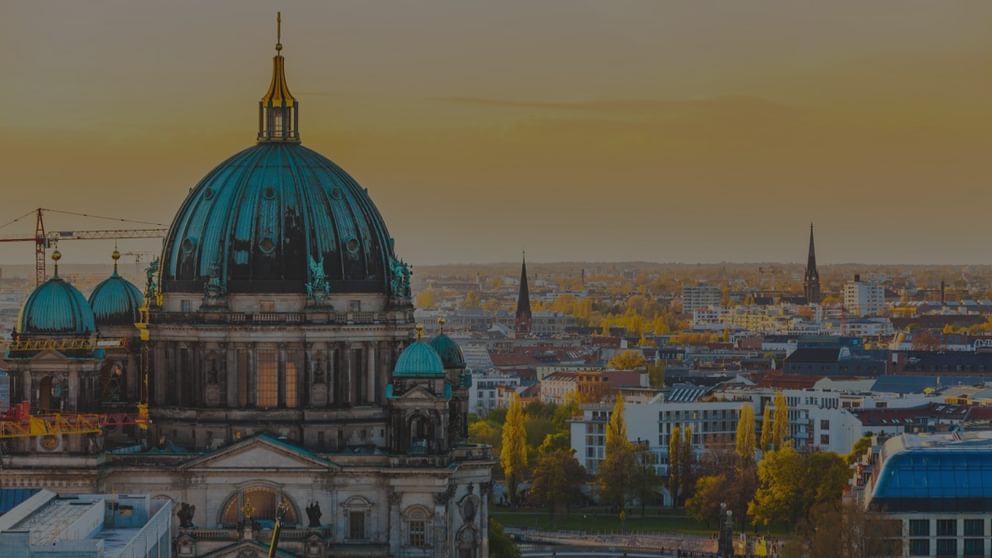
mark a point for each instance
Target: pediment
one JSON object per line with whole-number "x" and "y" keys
{"x": 418, "y": 393}
{"x": 260, "y": 452}
{"x": 49, "y": 356}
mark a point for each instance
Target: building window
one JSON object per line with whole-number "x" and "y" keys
{"x": 418, "y": 533}
{"x": 291, "y": 384}
{"x": 974, "y": 527}
{"x": 947, "y": 547}
{"x": 824, "y": 439}
{"x": 356, "y": 525}
{"x": 824, "y": 424}
{"x": 919, "y": 547}
{"x": 919, "y": 527}
{"x": 266, "y": 306}
{"x": 267, "y": 379}
{"x": 974, "y": 547}
{"x": 186, "y": 306}
{"x": 946, "y": 528}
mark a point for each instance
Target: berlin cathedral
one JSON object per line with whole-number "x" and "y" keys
{"x": 274, "y": 365}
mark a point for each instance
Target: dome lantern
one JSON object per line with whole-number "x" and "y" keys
{"x": 278, "y": 110}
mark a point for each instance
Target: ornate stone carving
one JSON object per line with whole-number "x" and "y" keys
{"x": 314, "y": 514}
{"x": 468, "y": 506}
{"x": 185, "y": 515}
{"x": 318, "y": 288}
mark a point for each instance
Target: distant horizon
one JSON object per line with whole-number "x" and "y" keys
{"x": 657, "y": 132}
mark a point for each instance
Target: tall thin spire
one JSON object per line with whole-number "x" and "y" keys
{"x": 524, "y": 319}
{"x": 811, "y": 281}
{"x": 278, "y": 111}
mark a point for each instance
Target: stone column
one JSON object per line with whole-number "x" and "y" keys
{"x": 231, "y": 373}
{"x": 72, "y": 402}
{"x": 281, "y": 388}
{"x": 371, "y": 391}
{"x": 394, "y": 521}
{"x": 347, "y": 373}
{"x": 483, "y": 513}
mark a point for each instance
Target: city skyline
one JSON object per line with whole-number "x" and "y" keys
{"x": 652, "y": 133}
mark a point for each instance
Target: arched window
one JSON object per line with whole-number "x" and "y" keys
{"x": 267, "y": 380}
{"x": 421, "y": 432}
{"x": 417, "y": 527}
{"x": 262, "y": 502}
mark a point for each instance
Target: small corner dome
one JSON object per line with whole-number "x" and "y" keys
{"x": 57, "y": 309}
{"x": 116, "y": 301}
{"x": 449, "y": 351}
{"x": 419, "y": 360}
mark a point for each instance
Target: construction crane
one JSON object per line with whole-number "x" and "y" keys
{"x": 44, "y": 239}
{"x": 18, "y": 422}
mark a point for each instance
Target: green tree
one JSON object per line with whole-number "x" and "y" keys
{"x": 780, "y": 423}
{"x": 674, "y": 467}
{"x": 500, "y": 544}
{"x": 557, "y": 483}
{"x": 613, "y": 475}
{"x": 627, "y": 360}
{"x": 485, "y": 432}
{"x": 766, "y": 428}
{"x": 513, "y": 454}
{"x": 745, "y": 435}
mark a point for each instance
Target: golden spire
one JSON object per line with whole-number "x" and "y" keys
{"x": 420, "y": 332}
{"x": 115, "y": 256}
{"x": 440, "y": 325}
{"x": 278, "y": 94}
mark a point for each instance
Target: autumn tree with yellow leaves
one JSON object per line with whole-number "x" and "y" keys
{"x": 513, "y": 453}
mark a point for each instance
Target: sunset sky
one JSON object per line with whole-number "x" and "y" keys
{"x": 697, "y": 131}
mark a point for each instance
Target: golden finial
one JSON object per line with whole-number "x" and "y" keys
{"x": 115, "y": 255}
{"x": 420, "y": 332}
{"x": 278, "y": 31}
{"x": 56, "y": 256}
{"x": 440, "y": 324}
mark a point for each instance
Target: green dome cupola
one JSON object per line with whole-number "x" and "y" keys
{"x": 116, "y": 301}
{"x": 449, "y": 351}
{"x": 277, "y": 216}
{"x": 419, "y": 360}
{"x": 55, "y": 309}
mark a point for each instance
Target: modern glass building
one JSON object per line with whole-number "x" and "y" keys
{"x": 940, "y": 488}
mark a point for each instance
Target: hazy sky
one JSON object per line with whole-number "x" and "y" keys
{"x": 608, "y": 130}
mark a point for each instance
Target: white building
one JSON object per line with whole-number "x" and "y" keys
{"x": 483, "y": 395}
{"x": 864, "y": 298}
{"x": 700, "y": 296}
{"x": 47, "y": 525}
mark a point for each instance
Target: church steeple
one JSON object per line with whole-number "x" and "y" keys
{"x": 524, "y": 317}
{"x": 278, "y": 111}
{"x": 811, "y": 281}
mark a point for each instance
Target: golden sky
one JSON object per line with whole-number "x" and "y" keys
{"x": 579, "y": 130}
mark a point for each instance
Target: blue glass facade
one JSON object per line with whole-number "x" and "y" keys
{"x": 930, "y": 479}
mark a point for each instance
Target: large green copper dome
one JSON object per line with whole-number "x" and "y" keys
{"x": 115, "y": 301}
{"x": 258, "y": 221}
{"x": 55, "y": 309}
{"x": 449, "y": 351}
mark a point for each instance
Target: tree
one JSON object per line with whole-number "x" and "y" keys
{"x": 513, "y": 454}
{"x": 500, "y": 544}
{"x": 766, "y": 428}
{"x": 557, "y": 483}
{"x": 704, "y": 505}
{"x": 685, "y": 462}
{"x": 859, "y": 449}
{"x": 645, "y": 480}
{"x": 656, "y": 374}
{"x": 485, "y": 432}
{"x": 780, "y": 423}
{"x": 472, "y": 300}
{"x": 791, "y": 484}
{"x": 745, "y": 435}
{"x": 674, "y": 468}
{"x": 844, "y": 530}
{"x": 425, "y": 299}
{"x": 627, "y": 360}
{"x": 614, "y": 471}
